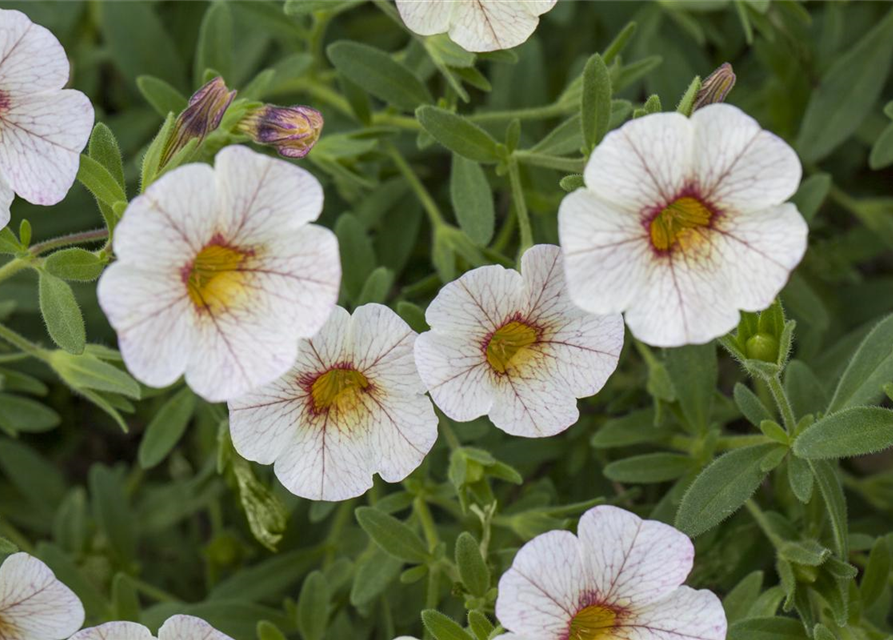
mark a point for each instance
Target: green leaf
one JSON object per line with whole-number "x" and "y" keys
{"x": 767, "y": 629}
{"x": 847, "y": 93}
{"x": 742, "y": 597}
{"x": 882, "y": 150}
{"x": 100, "y": 182}
{"x": 633, "y": 428}
{"x": 750, "y": 405}
{"x": 812, "y": 194}
{"x": 61, "y": 313}
{"x": 313, "y": 607}
{"x": 650, "y": 467}
{"x": 800, "y": 478}
{"x": 829, "y": 484}
{"x": 413, "y": 315}
{"x": 443, "y": 627}
{"x": 9, "y": 244}
{"x": 472, "y": 200}
{"x": 480, "y": 625}
{"x": 104, "y": 149}
{"x": 152, "y": 160}
{"x": 376, "y": 287}
{"x": 306, "y": 7}
{"x": 357, "y": 255}
{"x": 393, "y": 536}
{"x": 166, "y": 428}
{"x": 458, "y": 134}
{"x": 877, "y": 571}
{"x": 472, "y": 567}
{"x": 595, "y": 102}
{"x": 697, "y": 366}
{"x": 804, "y": 552}
{"x": 852, "y": 432}
{"x": 268, "y": 631}
{"x": 375, "y": 571}
{"x": 23, "y": 415}
{"x": 572, "y": 182}
{"x": 112, "y": 512}
{"x": 722, "y": 488}
{"x": 75, "y": 263}
{"x": 870, "y": 368}
{"x": 163, "y": 97}
{"x": 125, "y": 600}
{"x": 803, "y": 389}
{"x": 378, "y": 73}
{"x": 89, "y": 372}
{"x": 215, "y": 43}
{"x": 266, "y": 515}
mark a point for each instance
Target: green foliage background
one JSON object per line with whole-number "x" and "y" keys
{"x": 165, "y": 518}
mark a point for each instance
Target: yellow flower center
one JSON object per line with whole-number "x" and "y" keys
{"x": 678, "y": 223}
{"x": 215, "y": 281}
{"x": 509, "y": 344}
{"x": 595, "y": 622}
{"x": 340, "y": 388}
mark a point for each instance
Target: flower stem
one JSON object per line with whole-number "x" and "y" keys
{"x": 82, "y": 237}
{"x": 571, "y": 165}
{"x": 416, "y": 185}
{"x": 763, "y": 523}
{"x": 22, "y": 343}
{"x": 784, "y": 405}
{"x": 520, "y": 206}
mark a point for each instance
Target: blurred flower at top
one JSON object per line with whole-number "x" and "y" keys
{"x": 682, "y": 222}
{"x": 476, "y": 25}
{"x": 512, "y": 346}
{"x": 43, "y": 127}
{"x": 34, "y": 605}
{"x": 219, "y": 273}
{"x": 351, "y": 406}
{"x": 175, "y": 628}
{"x": 201, "y": 117}
{"x": 619, "y": 577}
{"x": 292, "y": 131}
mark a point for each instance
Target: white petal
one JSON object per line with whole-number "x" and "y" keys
{"x": 585, "y": 348}
{"x": 687, "y": 301}
{"x": 166, "y": 227}
{"x": 42, "y": 137}
{"x": 739, "y": 166}
{"x": 260, "y": 195}
{"x": 630, "y": 561}
{"x": 427, "y": 17}
{"x": 490, "y": 25}
{"x": 531, "y": 401}
{"x": 153, "y": 316}
{"x": 383, "y": 348}
{"x": 478, "y": 303}
{"x": 404, "y": 429}
{"x": 189, "y": 628}
{"x": 456, "y": 373}
{"x": 685, "y": 615}
{"x": 31, "y": 58}
{"x": 544, "y": 589}
{"x": 760, "y": 249}
{"x": 34, "y": 605}
{"x": 606, "y": 252}
{"x": 6, "y": 196}
{"x": 115, "y": 631}
{"x": 643, "y": 165}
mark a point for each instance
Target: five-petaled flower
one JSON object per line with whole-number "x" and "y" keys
{"x": 175, "y": 628}
{"x": 292, "y": 131}
{"x": 219, "y": 274}
{"x": 34, "y": 605}
{"x": 476, "y": 25}
{"x": 619, "y": 577}
{"x": 43, "y": 127}
{"x": 682, "y": 223}
{"x": 513, "y": 346}
{"x": 352, "y": 405}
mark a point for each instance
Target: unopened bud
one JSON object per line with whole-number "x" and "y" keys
{"x": 716, "y": 87}
{"x": 201, "y": 117}
{"x": 291, "y": 130}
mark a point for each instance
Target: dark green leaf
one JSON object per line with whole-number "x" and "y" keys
{"x": 166, "y": 428}
{"x": 650, "y": 467}
{"x": 378, "y": 73}
{"x": 458, "y": 134}
{"x": 393, "y": 536}
{"x": 472, "y": 200}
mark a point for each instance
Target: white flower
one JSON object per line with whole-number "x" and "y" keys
{"x": 619, "y": 577}
{"x": 681, "y": 224}
{"x": 175, "y": 628}
{"x": 352, "y": 405}
{"x": 476, "y": 25}
{"x": 512, "y": 346}
{"x": 218, "y": 274}
{"x": 42, "y": 126}
{"x": 34, "y": 605}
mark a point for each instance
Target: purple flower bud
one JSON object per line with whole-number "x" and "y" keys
{"x": 291, "y": 130}
{"x": 201, "y": 117}
{"x": 715, "y": 87}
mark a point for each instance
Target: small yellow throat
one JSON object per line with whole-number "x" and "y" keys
{"x": 215, "y": 281}
{"x": 340, "y": 388}
{"x": 593, "y": 623}
{"x": 677, "y": 224}
{"x": 508, "y": 345}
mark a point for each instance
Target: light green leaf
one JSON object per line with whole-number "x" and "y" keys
{"x": 472, "y": 200}
{"x": 458, "y": 134}
{"x": 100, "y": 182}
{"x": 23, "y": 415}
{"x": 61, "y": 313}
{"x": 166, "y": 428}
{"x": 649, "y": 468}
{"x": 829, "y": 484}
{"x": 855, "y": 431}
{"x": 376, "y": 287}
{"x": 443, "y": 627}
{"x": 868, "y": 371}
{"x": 472, "y": 567}
{"x": 393, "y": 536}
{"x": 595, "y": 102}
{"x": 76, "y": 264}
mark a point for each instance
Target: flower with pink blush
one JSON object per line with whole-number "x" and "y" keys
{"x": 619, "y": 578}
{"x": 34, "y": 605}
{"x": 43, "y": 127}
{"x": 476, "y": 25}
{"x": 682, "y": 223}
